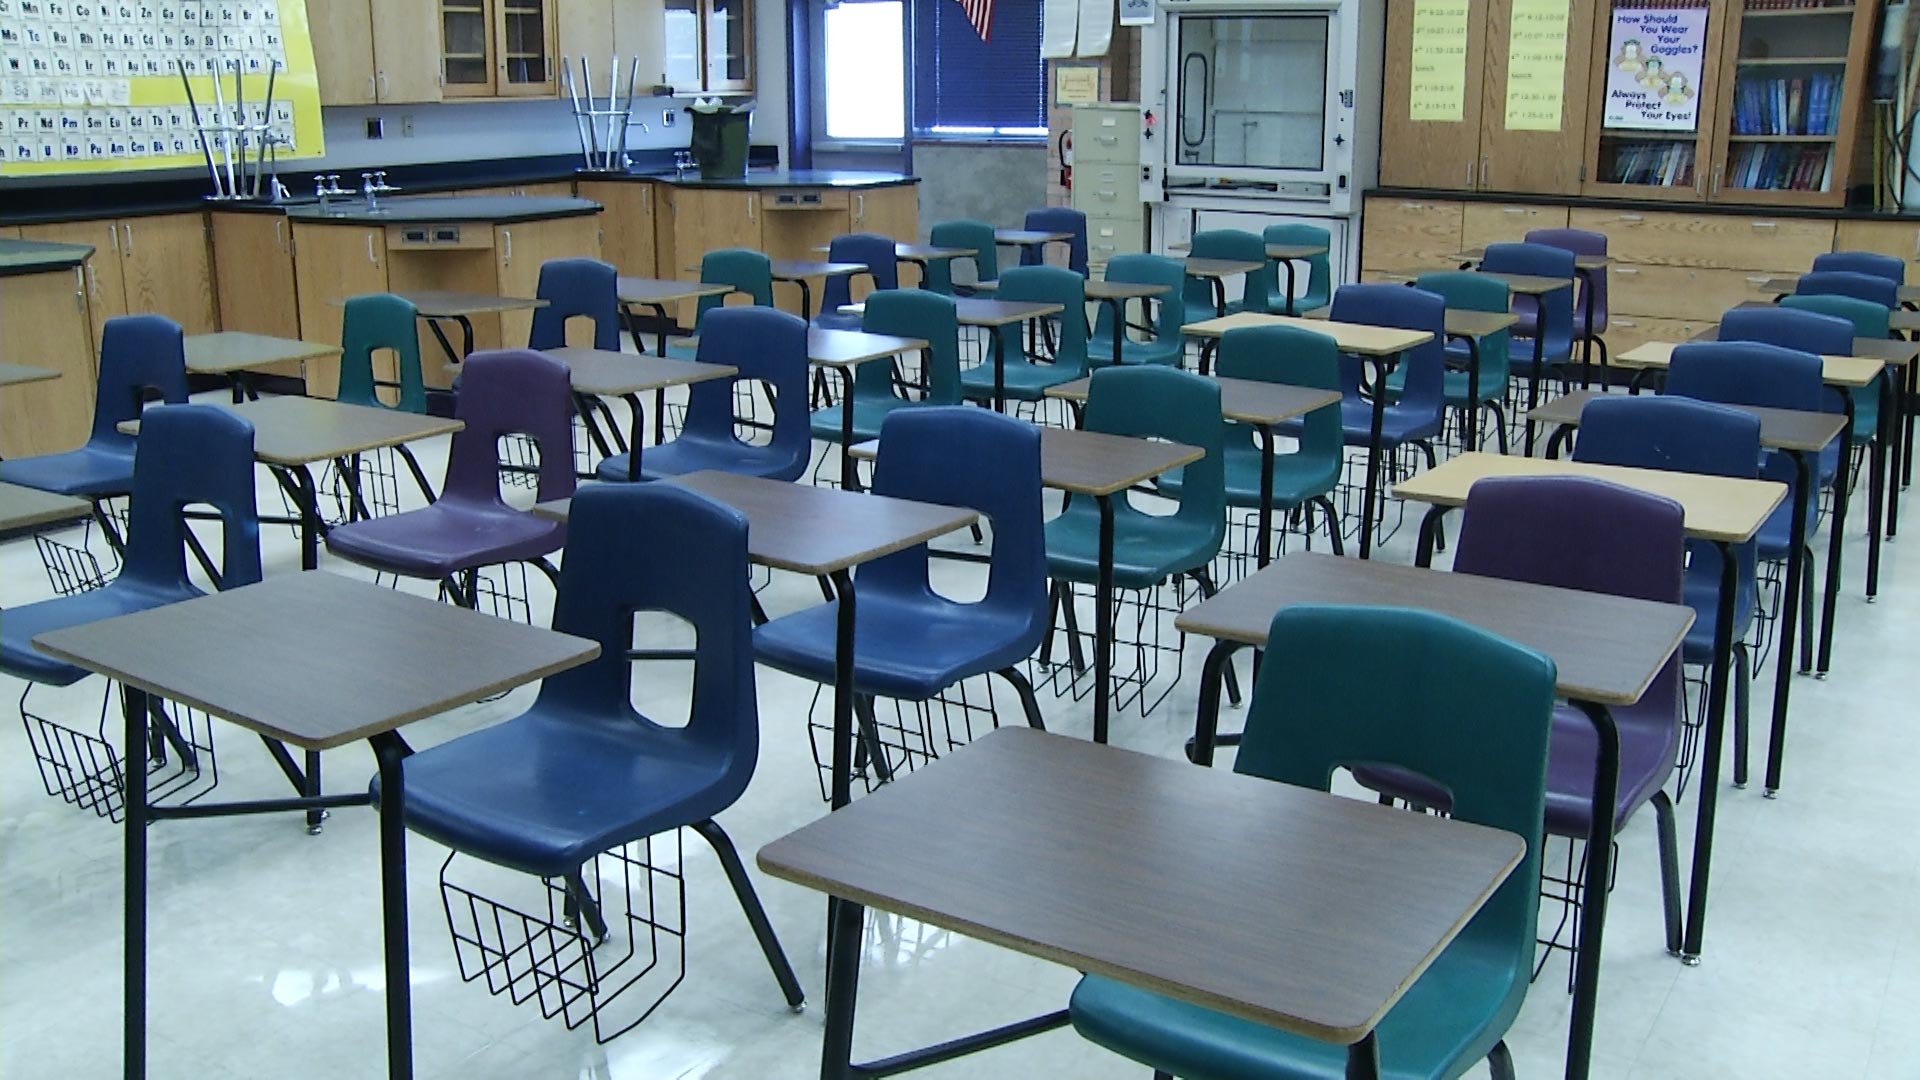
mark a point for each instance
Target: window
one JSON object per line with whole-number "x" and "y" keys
{"x": 964, "y": 88}
{"x": 866, "y": 88}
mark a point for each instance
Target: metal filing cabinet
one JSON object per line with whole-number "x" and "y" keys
{"x": 1106, "y": 180}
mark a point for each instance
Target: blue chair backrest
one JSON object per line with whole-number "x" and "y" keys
{"x": 1058, "y": 219}
{"x": 914, "y": 313}
{"x": 511, "y": 392}
{"x": 1381, "y": 304}
{"x": 765, "y": 344}
{"x": 1049, "y": 285}
{"x": 976, "y": 236}
{"x": 139, "y": 354}
{"x": 1235, "y": 244}
{"x": 1808, "y": 331}
{"x": 874, "y": 252}
{"x": 1296, "y": 357}
{"x": 1863, "y": 262}
{"x": 1150, "y": 401}
{"x": 1149, "y": 270}
{"x": 1319, "y": 267}
{"x": 576, "y": 288}
{"x": 749, "y": 272}
{"x": 190, "y": 455}
{"x": 639, "y": 548}
{"x": 1879, "y": 290}
{"x": 1000, "y": 479}
{"x": 1747, "y": 373}
{"x": 1555, "y": 308}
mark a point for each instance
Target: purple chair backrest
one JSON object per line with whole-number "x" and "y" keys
{"x": 511, "y": 392}
{"x": 1581, "y": 242}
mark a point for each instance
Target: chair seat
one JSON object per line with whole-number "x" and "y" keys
{"x": 545, "y": 792}
{"x": 1775, "y": 531}
{"x": 1297, "y": 477}
{"x": 690, "y": 453}
{"x": 1398, "y": 424}
{"x": 868, "y": 414}
{"x": 90, "y": 470}
{"x": 1520, "y": 356}
{"x": 1454, "y": 385}
{"x": 1100, "y": 351}
{"x": 1703, "y": 597}
{"x": 21, "y": 625}
{"x": 449, "y": 536}
{"x": 906, "y": 648}
{"x": 833, "y": 320}
{"x": 1024, "y": 380}
{"x": 1418, "y": 1038}
{"x": 1146, "y": 549}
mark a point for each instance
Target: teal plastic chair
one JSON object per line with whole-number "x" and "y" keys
{"x": 910, "y": 313}
{"x": 749, "y": 272}
{"x": 1282, "y": 354}
{"x": 1467, "y": 291}
{"x": 1472, "y": 712}
{"x": 1869, "y": 321}
{"x": 1239, "y": 246}
{"x": 976, "y": 235}
{"x": 1168, "y": 344}
{"x": 372, "y": 323}
{"x": 1319, "y": 268}
{"x": 1026, "y": 380}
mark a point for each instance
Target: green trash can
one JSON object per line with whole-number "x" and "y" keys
{"x": 719, "y": 144}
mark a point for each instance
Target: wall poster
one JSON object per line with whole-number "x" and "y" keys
{"x": 1653, "y": 69}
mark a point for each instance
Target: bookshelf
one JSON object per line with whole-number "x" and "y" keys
{"x": 1653, "y": 133}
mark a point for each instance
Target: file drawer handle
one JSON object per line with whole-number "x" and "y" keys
{"x": 1631, "y": 217}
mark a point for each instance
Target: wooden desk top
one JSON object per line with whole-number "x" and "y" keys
{"x": 1219, "y": 268}
{"x": 851, "y": 348}
{"x": 1101, "y": 289}
{"x": 603, "y": 373}
{"x": 438, "y": 304}
{"x": 302, "y": 430}
{"x": 1784, "y": 285}
{"x": 230, "y": 350}
{"x": 1286, "y": 252}
{"x": 1848, "y": 371}
{"x": 1029, "y": 237}
{"x": 1580, "y": 262}
{"x": 1718, "y": 508}
{"x": 795, "y": 269}
{"x": 1894, "y": 352}
{"x": 918, "y": 252}
{"x": 315, "y": 659}
{"x": 15, "y": 374}
{"x": 1529, "y": 284}
{"x": 979, "y": 311}
{"x": 1358, "y": 338}
{"x": 25, "y": 507}
{"x": 1127, "y": 865}
{"x": 1780, "y": 429}
{"x": 641, "y": 290}
{"x": 1478, "y": 324}
{"x": 1608, "y": 649}
{"x": 813, "y": 530}
{"x": 1091, "y": 462}
{"x": 1244, "y": 401}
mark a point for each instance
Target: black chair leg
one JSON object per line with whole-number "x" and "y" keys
{"x": 1205, "y": 581}
{"x": 1333, "y": 525}
{"x": 1499, "y": 424}
{"x": 1028, "y": 703}
{"x": 1500, "y": 1062}
{"x": 1072, "y": 620}
{"x": 1669, "y": 868}
{"x": 756, "y": 915}
{"x": 580, "y": 903}
{"x": 1807, "y": 579}
{"x": 1053, "y": 617}
{"x": 876, "y": 752}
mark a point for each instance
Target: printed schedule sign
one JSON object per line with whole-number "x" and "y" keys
{"x": 1653, "y": 69}
{"x": 1439, "y": 74}
{"x": 1536, "y": 65}
{"x": 89, "y": 86}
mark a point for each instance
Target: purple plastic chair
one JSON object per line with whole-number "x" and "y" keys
{"x": 505, "y": 392}
{"x": 1580, "y": 242}
{"x": 1575, "y": 532}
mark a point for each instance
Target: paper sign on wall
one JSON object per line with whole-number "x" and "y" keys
{"x": 1136, "y": 12}
{"x": 1075, "y": 84}
{"x": 1653, "y": 68}
{"x": 1439, "y": 71}
{"x": 1536, "y": 65}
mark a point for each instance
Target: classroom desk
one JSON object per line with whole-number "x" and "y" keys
{"x": 1332, "y": 954}
{"x": 1801, "y": 436}
{"x": 1285, "y": 254}
{"x": 1215, "y": 273}
{"x": 290, "y": 434}
{"x": 820, "y": 532}
{"x": 29, "y": 508}
{"x": 1115, "y": 295}
{"x": 598, "y": 374}
{"x": 1584, "y": 267}
{"x": 1607, "y": 651}
{"x": 1098, "y": 466}
{"x": 319, "y": 661}
{"x": 1468, "y": 327}
{"x": 1379, "y": 346}
{"x": 656, "y": 293}
{"x": 434, "y": 306}
{"x": 1723, "y": 510}
{"x": 233, "y": 354}
{"x": 990, "y": 315}
{"x": 1030, "y": 239}
{"x": 18, "y": 374}
{"x": 845, "y": 350}
{"x": 1785, "y": 284}
{"x": 801, "y": 272}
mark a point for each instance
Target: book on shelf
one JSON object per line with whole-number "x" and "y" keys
{"x": 1795, "y": 5}
{"x": 1779, "y": 167}
{"x": 1781, "y": 106}
{"x": 1657, "y": 164}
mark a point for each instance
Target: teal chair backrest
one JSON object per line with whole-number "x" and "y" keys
{"x": 1319, "y": 268}
{"x": 1232, "y": 244}
{"x": 1154, "y": 402}
{"x": 749, "y": 272}
{"x": 913, "y": 313}
{"x": 1465, "y": 709}
{"x": 1464, "y": 290}
{"x": 1148, "y": 270}
{"x": 1287, "y": 354}
{"x": 1868, "y": 318}
{"x": 375, "y": 322}
{"x": 974, "y": 235}
{"x": 1049, "y": 285}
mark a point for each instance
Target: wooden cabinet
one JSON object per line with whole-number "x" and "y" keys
{"x": 254, "y": 279}
{"x": 342, "y": 33}
{"x": 498, "y": 48}
{"x": 1721, "y": 241}
{"x": 105, "y": 282}
{"x": 1409, "y": 235}
{"x": 1493, "y": 223}
{"x": 888, "y": 211}
{"x": 160, "y": 264}
{"x": 44, "y": 321}
{"x": 1900, "y": 239}
{"x": 519, "y": 251}
{"x": 1430, "y": 153}
{"x": 334, "y": 262}
{"x": 708, "y": 45}
{"x": 1545, "y": 162}
{"x": 626, "y": 226}
{"x": 603, "y": 29}
{"x": 375, "y": 51}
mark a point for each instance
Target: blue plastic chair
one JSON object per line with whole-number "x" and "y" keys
{"x": 909, "y": 313}
{"x": 1877, "y": 288}
{"x": 581, "y": 771}
{"x": 1805, "y": 324}
{"x": 1548, "y": 317}
{"x": 1319, "y": 269}
{"x": 765, "y": 344}
{"x": 876, "y": 253}
{"x": 1863, "y": 262}
{"x": 910, "y": 643}
{"x": 1239, "y": 246}
{"x": 976, "y": 236}
{"x": 1473, "y": 713}
{"x": 1024, "y": 379}
{"x": 1058, "y": 219}
{"x": 1168, "y": 345}
{"x": 194, "y": 455}
{"x": 576, "y": 288}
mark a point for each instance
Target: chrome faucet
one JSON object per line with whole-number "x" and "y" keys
{"x": 373, "y": 185}
{"x": 327, "y": 186}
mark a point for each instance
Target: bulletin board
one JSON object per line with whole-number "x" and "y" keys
{"x": 94, "y": 86}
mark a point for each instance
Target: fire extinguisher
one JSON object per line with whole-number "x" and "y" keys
{"x": 1066, "y": 159}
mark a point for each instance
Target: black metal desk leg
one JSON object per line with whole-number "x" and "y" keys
{"x": 660, "y": 332}
{"x": 1834, "y": 530}
{"x": 466, "y": 335}
{"x": 1206, "y": 720}
{"x": 999, "y": 371}
{"x": 843, "y": 690}
{"x": 133, "y": 1039}
{"x": 1470, "y": 420}
{"x": 1593, "y": 923}
{"x": 1266, "y": 495}
{"x": 844, "y": 918}
{"x": 1368, "y": 497}
{"x": 849, "y": 470}
{"x": 1539, "y": 361}
{"x": 308, "y": 493}
{"x": 1363, "y": 1059}
{"x": 440, "y": 336}
{"x": 1586, "y": 352}
{"x": 1103, "y": 623}
{"x": 1789, "y": 619}
{"x": 1429, "y": 531}
{"x": 1899, "y": 472}
{"x": 1876, "y": 488}
{"x": 1288, "y": 263}
{"x": 1119, "y": 309}
{"x": 391, "y": 751}
{"x": 1710, "y": 757}
{"x": 806, "y": 300}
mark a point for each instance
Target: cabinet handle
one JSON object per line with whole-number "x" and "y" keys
{"x": 371, "y": 257}
{"x": 1631, "y": 217}
{"x": 372, "y": 91}
{"x": 507, "y": 235}
{"x": 93, "y": 279}
{"x": 1469, "y": 174}
{"x": 1766, "y": 224}
{"x": 383, "y": 86}
{"x": 1486, "y": 172}
{"x": 113, "y": 237}
{"x": 128, "y": 247}
{"x": 860, "y": 208}
{"x": 751, "y": 208}
{"x": 1628, "y": 271}
{"x": 1628, "y": 323}
{"x": 278, "y": 241}
{"x": 1716, "y": 181}
{"x": 1423, "y": 206}
{"x": 80, "y": 290}
{"x": 1513, "y": 210}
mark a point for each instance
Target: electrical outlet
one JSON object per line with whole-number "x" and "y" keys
{"x": 406, "y": 125}
{"x": 668, "y": 116}
{"x": 376, "y": 128}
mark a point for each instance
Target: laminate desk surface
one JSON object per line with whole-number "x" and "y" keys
{"x": 1580, "y": 262}
{"x": 1718, "y": 508}
{"x": 1102, "y": 289}
{"x": 1780, "y": 429}
{"x": 1457, "y": 322}
{"x": 1529, "y": 284}
{"x": 920, "y": 252}
{"x": 851, "y": 348}
{"x": 1245, "y": 401}
{"x": 1358, "y": 338}
{"x": 15, "y": 374}
{"x": 230, "y": 351}
{"x": 1219, "y": 268}
{"x": 1288, "y": 252}
{"x": 1608, "y": 649}
{"x": 1848, "y": 371}
{"x": 640, "y": 290}
{"x": 1029, "y": 237}
{"x": 795, "y": 269}
{"x": 1785, "y": 284}
{"x": 811, "y": 530}
{"x": 25, "y": 507}
{"x": 315, "y": 659}
{"x": 603, "y": 373}
{"x": 1894, "y": 352}
{"x": 1128, "y": 866}
{"x": 1091, "y": 462}
{"x": 300, "y": 430}
{"x": 440, "y": 304}
{"x": 979, "y": 311}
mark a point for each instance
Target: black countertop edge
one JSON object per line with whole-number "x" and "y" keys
{"x": 442, "y": 210}
{"x": 21, "y": 257}
{"x": 1647, "y": 205}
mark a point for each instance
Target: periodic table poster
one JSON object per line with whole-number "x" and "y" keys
{"x": 94, "y": 86}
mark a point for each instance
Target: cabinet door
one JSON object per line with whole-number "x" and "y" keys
{"x": 1492, "y": 223}
{"x": 680, "y": 28}
{"x": 1409, "y": 236}
{"x": 1900, "y": 239}
{"x": 524, "y": 60}
{"x": 342, "y": 32}
{"x": 253, "y": 274}
{"x": 169, "y": 268}
{"x": 889, "y": 211}
{"x": 44, "y": 322}
{"x": 639, "y": 32}
{"x": 1430, "y": 153}
{"x": 626, "y": 225}
{"x": 727, "y": 44}
{"x": 585, "y": 28}
{"x": 1534, "y": 161}
{"x": 466, "y": 48}
{"x": 106, "y": 272}
{"x": 690, "y": 222}
{"x": 406, "y": 51}
{"x": 335, "y": 262}
{"x": 520, "y": 250}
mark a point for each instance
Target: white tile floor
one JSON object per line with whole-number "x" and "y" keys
{"x": 266, "y": 960}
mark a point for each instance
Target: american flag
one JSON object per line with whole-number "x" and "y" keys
{"x": 980, "y": 14}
